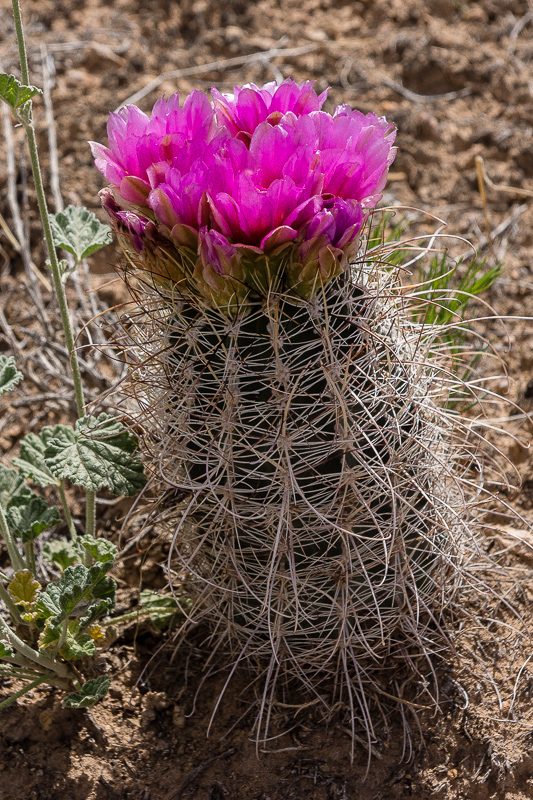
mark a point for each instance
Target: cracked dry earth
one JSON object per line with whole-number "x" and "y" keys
{"x": 457, "y": 79}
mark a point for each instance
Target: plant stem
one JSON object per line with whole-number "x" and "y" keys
{"x": 23, "y": 691}
{"x": 66, "y": 511}
{"x": 10, "y": 605}
{"x": 45, "y": 219}
{"x": 24, "y": 665}
{"x": 12, "y": 549}
{"x": 60, "y": 294}
{"x": 52, "y": 254}
{"x": 21, "y": 43}
{"x": 89, "y": 512}
{"x": 130, "y": 617}
{"x": 139, "y": 615}
{"x": 62, "y": 638}
{"x": 12, "y": 671}
{"x": 54, "y": 265}
{"x": 30, "y": 558}
{"x": 38, "y": 658}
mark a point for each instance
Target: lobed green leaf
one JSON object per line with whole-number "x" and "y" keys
{"x": 9, "y": 374}
{"x": 28, "y": 516}
{"x": 76, "y": 645}
{"x": 15, "y": 93}
{"x": 84, "y": 592}
{"x": 24, "y": 589}
{"x": 50, "y": 635}
{"x": 6, "y": 651}
{"x": 99, "y": 550}
{"x": 81, "y": 647}
{"x": 90, "y": 693}
{"x": 79, "y": 231}
{"x": 99, "y": 453}
{"x": 31, "y": 461}
{"x": 12, "y": 484}
{"x": 61, "y": 553}
{"x": 104, "y": 600}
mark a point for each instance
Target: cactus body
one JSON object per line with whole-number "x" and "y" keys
{"x": 285, "y": 389}
{"x": 322, "y": 534}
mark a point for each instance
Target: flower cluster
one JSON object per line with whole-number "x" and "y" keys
{"x": 252, "y": 192}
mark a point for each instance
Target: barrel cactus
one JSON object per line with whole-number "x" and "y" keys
{"x": 285, "y": 387}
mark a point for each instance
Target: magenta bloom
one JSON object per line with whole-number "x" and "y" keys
{"x": 252, "y": 105}
{"x": 256, "y": 191}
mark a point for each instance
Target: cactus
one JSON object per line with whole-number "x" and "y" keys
{"x": 284, "y": 385}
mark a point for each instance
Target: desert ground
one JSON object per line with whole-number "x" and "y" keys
{"x": 456, "y": 78}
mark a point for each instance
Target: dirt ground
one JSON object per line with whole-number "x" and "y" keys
{"x": 456, "y": 77}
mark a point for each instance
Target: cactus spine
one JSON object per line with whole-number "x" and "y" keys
{"x": 285, "y": 388}
{"x": 325, "y": 523}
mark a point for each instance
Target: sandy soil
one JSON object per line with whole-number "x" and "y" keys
{"x": 456, "y": 78}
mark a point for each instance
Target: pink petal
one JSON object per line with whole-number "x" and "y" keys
{"x": 161, "y": 201}
{"x": 225, "y": 212}
{"x": 185, "y": 236}
{"x": 277, "y": 237}
{"x": 134, "y": 190}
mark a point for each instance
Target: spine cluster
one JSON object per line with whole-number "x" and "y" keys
{"x": 324, "y": 524}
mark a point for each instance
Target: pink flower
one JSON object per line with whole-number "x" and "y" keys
{"x": 262, "y": 174}
{"x": 248, "y": 107}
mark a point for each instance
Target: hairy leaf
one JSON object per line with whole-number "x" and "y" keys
{"x": 76, "y": 645}
{"x": 31, "y": 460}
{"x": 160, "y": 607}
{"x": 105, "y": 596}
{"x": 98, "y": 549}
{"x": 79, "y": 231}
{"x": 61, "y": 553}
{"x": 12, "y": 485}
{"x": 31, "y": 616}
{"x": 6, "y": 651}
{"x": 24, "y": 589}
{"x": 81, "y": 592}
{"x": 14, "y": 92}
{"x": 81, "y": 647}
{"x": 50, "y": 635}
{"x": 27, "y": 517}
{"x": 100, "y": 453}
{"x": 9, "y": 374}
{"x": 90, "y": 693}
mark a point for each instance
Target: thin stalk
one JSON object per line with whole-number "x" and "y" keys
{"x": 62, "y": 638}
{"x": 54, "y": 264}
{"x": 23, "y": 664}
{"x": 130, "y": 617}
{"x": 8, "y": 671}
{"x": 30, "y": 557}
{"x": 14, "y": 613}
{"x": 27, "y": 121}
{"x": 66, "y": 511}
{"x": 23, "y": 691}
{"x": 38, "y": 658}
{"x": 12, "y": 549}
{"x": 89, "y": 512}
{"x": 21, "y": 43}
